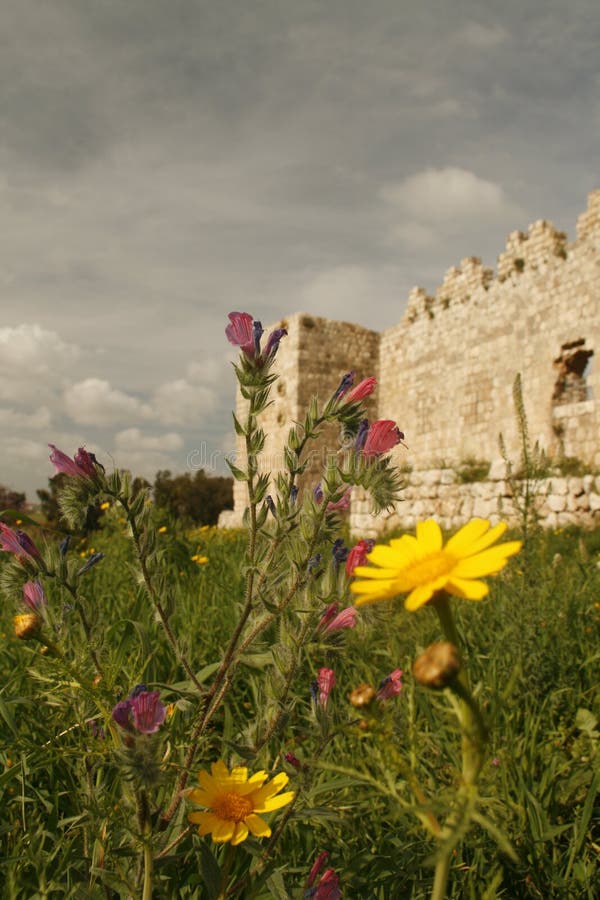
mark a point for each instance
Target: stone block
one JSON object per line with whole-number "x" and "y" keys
{"x": 594, "y": 502}
{"x": 556, "y": 502}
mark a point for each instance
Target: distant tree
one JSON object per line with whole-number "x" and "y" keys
{"x": 51, "y": 510}
{"x": 11, "y": 499}
{"x": 198, "y": 499}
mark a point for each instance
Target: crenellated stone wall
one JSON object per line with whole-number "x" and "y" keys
{"x": 446, "y": 370}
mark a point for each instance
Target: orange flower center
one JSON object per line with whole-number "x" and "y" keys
{"x": 233, "y": 807}
{"x": 430, "y": 568}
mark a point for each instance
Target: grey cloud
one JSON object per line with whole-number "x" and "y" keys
{"x": 164, "y": 163}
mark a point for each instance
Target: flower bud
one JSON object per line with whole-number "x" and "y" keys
{"x": 437, "y": 666}
{"x": 27, "y": 626}
{"x": 361, "y": 695}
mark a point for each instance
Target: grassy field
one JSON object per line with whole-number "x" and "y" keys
{"x": 68, "y": 811}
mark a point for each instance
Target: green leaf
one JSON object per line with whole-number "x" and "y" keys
{"x": 238, "y": 474}
{"x": 586, "y": 721}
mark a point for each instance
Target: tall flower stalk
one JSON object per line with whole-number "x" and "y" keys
{"x": 429, "y": 572}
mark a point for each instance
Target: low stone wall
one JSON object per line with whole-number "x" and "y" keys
{"x": 436, "y": 493}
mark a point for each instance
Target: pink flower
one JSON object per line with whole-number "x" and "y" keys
{"x": 342, "y": 503}
{"x": 240, "y": 332}
{"x": 142, "y": 710}
{"x": 391, "y": 685}
{"x": 81, "y": 466}
{"x": 358, "y": 555}
{"x": 18, "y": 542}
{"x": 148, "y": 712}
{"x": 363, "y": 389}
{"x": 34, "y": 596}
{"x": 316, "y": 867}
{"x": 332, "y": 620}
{"x": 293, "y": 760}
{"x": 328, "y": 887}
{"x": 325, "y": 683}
{"x": 381, "y": 437}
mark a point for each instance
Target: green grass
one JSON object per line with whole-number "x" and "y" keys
{"x": 532, "y": 654}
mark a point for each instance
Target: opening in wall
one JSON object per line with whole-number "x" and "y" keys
{"x": 574, "y": 366}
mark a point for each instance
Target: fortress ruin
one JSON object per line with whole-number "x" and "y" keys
{"x": 446, "y": 372}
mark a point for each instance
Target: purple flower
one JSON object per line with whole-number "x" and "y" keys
{"x": 361, "y": 435}
{"x": 142, "y": 711}
{"x": 314, "y": 562}
{"x": 240, "y": 332}
{"x": 34, "y": 596}
{"x": 271, "y": 505}
{"x": 257, "y": 331}
{"x": 344, "y": 385}
{"x": 83, "y": 465}
{"x": 391, "y": 685}
{"x": 273, "y": 342}
{"x": 148, "y": 712}
{"x": 96, "y": 732}
{"x": 94, "y": 558}
{"x": 293, "y": 495}
{"x": 342, "y": 503}
{"x": 293, "y": 760}
{"x": 318, "y": 493}
{"x": 121, "y": 713}
{"x": 339, "y": 551}
{"x": 19, "y": 543}
{"x": 63, "y": 547}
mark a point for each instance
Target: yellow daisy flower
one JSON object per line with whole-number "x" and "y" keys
{"x": 232, "y": 801}
{"x": 420, "y": 566}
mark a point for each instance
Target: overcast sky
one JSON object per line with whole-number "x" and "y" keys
{"x": 163, "y": 162}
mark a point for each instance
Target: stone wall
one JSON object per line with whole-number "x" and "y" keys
{"x": 436, "y": 493}
{"x": 446, "y": 371}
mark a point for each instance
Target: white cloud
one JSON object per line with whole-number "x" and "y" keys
{"x": 335, "y": 292}
{"x": 449, "y": 193}
{"x": 94, "y": 402}
{"x": 33, "y": 364}
{"x": 181, "y": 403}
{"x": 145, "y": 454}
{"x": 31, "y": 349}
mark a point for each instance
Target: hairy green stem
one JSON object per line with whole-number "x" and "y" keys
{"x": 179, "y": 655}
{"x": 473, "y": 741}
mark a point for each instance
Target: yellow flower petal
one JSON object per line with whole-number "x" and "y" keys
{"x": 275, "y": 802}
{"x": 224, "y": 830}
{"x": 258, "y": 826}
{"x": 468, "y": 590}
{"x": 486, "y": 563}
{"x": 372, "y": 591}
{"x": 240, "y": 833}
{"x": 372, "y": 572}
{"x": 429, "y": 536}
{"x": 460, "y": 543}
{"x": 421, "y": 566}
{"x": 418, "y": 597}
{"x": 233, "y": 799}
